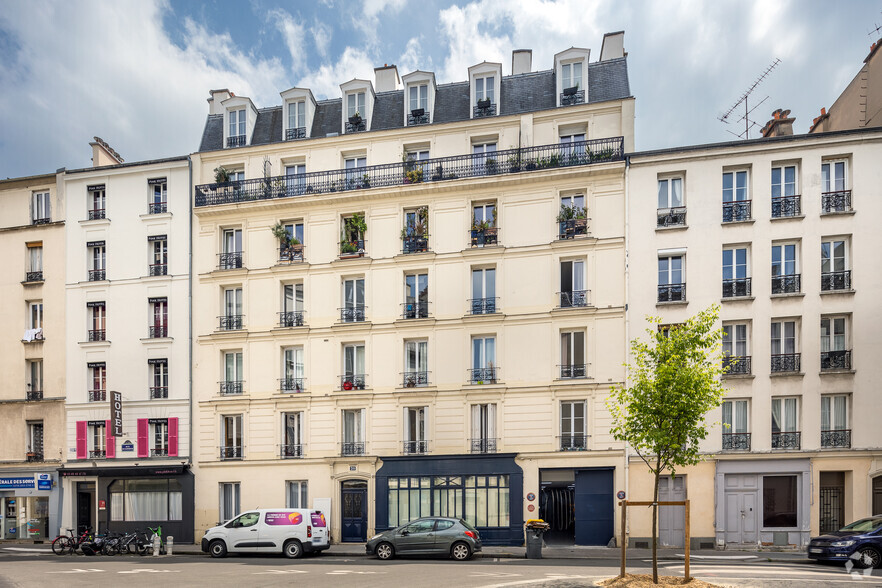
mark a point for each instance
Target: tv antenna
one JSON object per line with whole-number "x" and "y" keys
{"x": 875, "y": 30}
{"x": 729, "y": 114}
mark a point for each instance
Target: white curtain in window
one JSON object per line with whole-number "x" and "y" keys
{"x": 741, "y": 417}
{"x": 146, "y": 506}
{"x": 839, "y": 420}
{"x": 825, "y": 413}
{"x": 727, "y": 417}
{"x": 790, "y": 414}
{"x": 776, "y": 415}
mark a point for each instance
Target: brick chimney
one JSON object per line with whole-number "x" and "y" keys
{"x": 521, "y": 61}
{"x": 103, "y": 154}
{"x": 780, "y": 125}
{"x": 386, "y": 78}
{"x": 218, "y": 96}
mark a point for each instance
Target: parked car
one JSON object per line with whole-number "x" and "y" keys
{"x": 861, "y": 542}
{"x": 427, "y": 536}
{"x": 281, "y": 530}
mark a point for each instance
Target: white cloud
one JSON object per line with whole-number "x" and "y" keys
{"x": 321, "y": 37}
{"x": 368, "y": 20}
{"x": 413, "y": 58}
{"x": 325, "y": 81}
{"x": 294, "y": 35}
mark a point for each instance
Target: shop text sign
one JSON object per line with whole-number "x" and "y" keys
{"x": 116, "y": 413}
{"x": 7, "y": 483}
{"x": 44, "y": 481}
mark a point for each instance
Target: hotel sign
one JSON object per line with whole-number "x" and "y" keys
{"x": 116, "y": 413}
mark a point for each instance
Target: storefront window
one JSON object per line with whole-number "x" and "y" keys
{"x": 409, "y": 499}
{"x": 448, "y": 497}
{"x": 146, "y": 500}
{"x": 38, "y": 517}
{"x": 779, "y": 501}
{"x": 483, "y": 499}
{"x": 486, "y": 501}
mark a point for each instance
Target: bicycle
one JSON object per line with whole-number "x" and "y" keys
{"x": 69, "y": 543}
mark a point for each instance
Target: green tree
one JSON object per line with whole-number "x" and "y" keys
{"x": 675, "y": 381}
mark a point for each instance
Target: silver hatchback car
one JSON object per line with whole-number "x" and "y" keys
{"x": 427, "y": 536}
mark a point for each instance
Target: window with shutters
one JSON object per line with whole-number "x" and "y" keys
{"x": 483, "y": 428}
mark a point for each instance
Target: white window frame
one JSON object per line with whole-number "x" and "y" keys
{"x": 781, "y": 187}
{"x": 232, "y": 301}
{"x": 35, "y": 375}
{"x": 98, "y": 437}
{"x": 670, "y": 271}
{"x": 666, "y": 186}
{"x": 737, "y": 192}
{"x": 828, "y": 245}
{"x": 231, "y": 488}
{"x": 416, "y": 356}
{"x": 297, "y": 114}
{"x": 32, "y": 436}
{"x": 834, "y": 336}
{"x": 482, "y": 83}
{"x": 354, "y": 359}
{"x": 781, "y": 265}
{"x": 834, "y": 183}
{"x": 734, "y": 267}
{"x": 484, "y": 421}
{"x": 297, "y": 428}
{"x": 35, "y": 315}
{"x": 568, "y": 77}
{"x": 782, "y": 402}
{"x": 231, "y": 240}
{"x": 299, "y": 489}
{"x": 569, "y": 423}
{"x": 40, "y": 207}
{"x": 237, "y": 119}
{"x": 232, "y": 427}
{"x": 738, "y": 420}
{"x": 736, "y": 339}
{"x": 356, "y": 102}
{"x": 98, "y": 259}
{"x": 233, "y": 365}
{"x": 159, "y": 375}
{"x": 781, "y": 339}
{"x": 292, "y": 362}
{"x": 418, "y": 416}
{"x": 418, "y": 96}
{"x": 830, "y": 413}
{"x": 35, "y": 258}
{"x": 159, "y": 435}
{"x": 353, "y": 425}
{"x": 480, "y": 357}
{"x": 485, "y": 285}
{"x": 295, "y": 301}
{"x": 569, "y": 346}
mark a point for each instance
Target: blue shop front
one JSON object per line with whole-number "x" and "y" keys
{"x": 28, "y": 505}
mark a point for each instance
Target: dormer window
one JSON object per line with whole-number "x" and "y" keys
{"x": 485, "y": 96}
{"x": 571, "y": 74}
{"x": 298, "y": 113}
{"x": 236, "y": 137}
{"x": 355, "y": 112}
{"x": 571, "y": 71}
{"x": 296, "y": 121}
{"x": 419, "y": 105}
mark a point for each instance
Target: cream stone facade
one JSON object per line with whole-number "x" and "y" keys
{"x": 781, "y": 232}
{"x": 429, "y": 364}
{"x": 32, "y": 212}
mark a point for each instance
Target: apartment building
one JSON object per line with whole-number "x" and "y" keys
{"x": 780, "y": 231}
{"x": 409, "y": 300}
{"x": 33, "y": 358}
{"x": 127, "y": 301}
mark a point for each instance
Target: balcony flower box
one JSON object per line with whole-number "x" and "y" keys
{"x": 416, "y": 112}
{"x": 355, "y": 119}
{"x": 571, "y": 91}
{"x": 484, "y": 103}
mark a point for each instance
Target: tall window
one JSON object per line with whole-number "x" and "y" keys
{"x": 735, "y": 186}
{"x": 670, "y": 193}
{"x": 159, "y": 448}
{"x": 35, "y": 378}
{"x": 353, "y": 166}
{"x": 159, "y": 266}
{"x": 296, "y": 182}
{"x": 833, "y": 333}
{"x": 40, "y": 212}
{"x": 158, "y": 196}
{"x": 483, "y": 360}
{"x": 292, "y": 305}
{"x": 231, "y": 257}
{"x": 35, "y": 261}
{"x": 834, "y": 412}
{"x": 98, "y": 327}
{"x": 353, "y": 367}
{"x": 229, "y": 501}
{"x": 233, "y": 372}
{"x": 572, "y": 354}
{"x": 784, "y": 355}
{"x": 159, "y": 326}
{"x": 98, "y": 439}
{"x": 785, "y": 270}
{"x": 98, "y": 374}
{"x": 296, "y": 494}
{"x": 735, "y": 275}
{"x": 292, "y": 423}
{"x": 485, "y": 89}
{"x": 416, "y": 295}
{"x": 483, "y": 291}
{"x": 296, "y": 115}
{"x": 353, "y": 432}
{"x": 159, "y": 378}
{"x": 353, "y": 300}
{"x": 98, "y": 261}
{"x": 35, "y": 441}
{"x": 834, "y": 265}
{"x": 419, "y": 97}
{"x": 35, "y": 315}
{"x": 415, "y": 430}
{"x": 780, "y": 501}
{"x": 735, "y": 425}
{"x": 736, "y": 355}
{"x": 231, "y": 436}
{"x": 292, "y": 369}
{"x": 833, "y": 176}
{"x": 416, "y": 363}
{"x": 572, "y": 284}
{"x": 483, "y": 428}
{"x": 572, "y": 425}
{"x": 295, "y": 229}
{"x": 571, "y": 75}
{"x": 783, "y": 181}
{"x": 572, "y": 145}
{"x": 355, "y": 104}
{"x": 785, "y": 423}
{"x": 232, "y": 318}
{"x": 237, "y": 123}
{"x": 671, "y": 279}
{"x": 482, "y": 154}
{"x": 96, "y": 203}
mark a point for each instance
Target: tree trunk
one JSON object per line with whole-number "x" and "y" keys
{"x": 655, "y": 525}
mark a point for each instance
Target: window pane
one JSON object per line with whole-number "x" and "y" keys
{"x": 779, "y": 501}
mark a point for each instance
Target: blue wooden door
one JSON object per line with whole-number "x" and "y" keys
{"x": 354, "y": 500}
{"x": 595, "y": 507}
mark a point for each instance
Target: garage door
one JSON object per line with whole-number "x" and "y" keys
{"x": 595, "y": 507}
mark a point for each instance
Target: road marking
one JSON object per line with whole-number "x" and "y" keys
{"x": 540, "y": 581}
{"x": 76, "y": 571}
{"x": 280, "y": 572}
{"x": 496, "y": 574}
{"x": 776, "y": 571}
{"x": 343, "y": 572}
{"x": 27, "y": 549}
{"x": 147, "y": 571}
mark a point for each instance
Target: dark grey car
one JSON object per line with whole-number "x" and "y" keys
{"x": 427, "y": 536}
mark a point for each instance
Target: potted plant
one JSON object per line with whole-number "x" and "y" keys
{"x": 439, "y": 173}
{"x": 490, "y": 166}
{"x": 484, "y": 103}
{"x": 417, "y": 112}
{"x": 354, "y": 229}
{"x": 514, "y": 163}
{"x": 355, "y": 118}
{"x": 365, "y": 180}
{"x": 414, "y": 176}
{"x": 221, "y": 175}
{"x": 571, "y": 91}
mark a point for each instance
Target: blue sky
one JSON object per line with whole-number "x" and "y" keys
{"x": 137, "y": 72}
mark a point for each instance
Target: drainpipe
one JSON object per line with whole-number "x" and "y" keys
{"x": 190, "y": 196}
{"x": 627, "y": 325}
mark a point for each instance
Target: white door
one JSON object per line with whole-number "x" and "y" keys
{"x": 671, "y": 519}
{"x": 741, "y": 501}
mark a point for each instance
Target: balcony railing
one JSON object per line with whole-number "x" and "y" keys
{"x": 41, "y": 221}
{"x": 348, "y": 448}
{"x": 290, "y": 450}
{"x": 296, "y": 133}
{"x": 157, "y": 207}
{"x": 831, "y": 281}
{"x": 785, "y": 206}
{"x": 736, "y": 441}
{"x": 785, "y": 362}
{"x": 483, "y": 445}
{"x": 671, "y": 217}
{"x": 483, "y": 305}
{"x": 159, "y": 452}
{"x": 236, "y": 141}
{"x": 292, "y": 254}
{"x": 352, "y": 248}
{"x": 484, "y": 110}
{"x": 230, "y": 452}
{"x": 786, "y": 440}
{"x": 736, "y": 211}
{"x": 738, "y": 365}
{"x": 229, "y": 260}
{"x": 158, "y": 392}
{"x": 789, "y": 284}
{"x": 96, "y": 214}
{"x": 34, "y": 276}
{"x": 352, "y": 382}
{"x": 574, "y": 298}
{"x": 414, "y": 447}
{"x": 157, "y": 269}
{"x": 839, "y": 201}
{"x": 230, "y": 322}
{"x": 157, "y": 331}
{"x": 415, "y": 244}
{"x": 672, "y": 292}
{"x": 836, "y": 360}
{"x": 34, "y": 456}
{"x": 575, "y": 442}
{"x": 230, "y": 387}
{"x": 33, "y": 395}
{"x": 414, "y": 379}
{"x": 569, "y": 97}
{"x": 837, "y": 438}
{"x": 484, "y": 375}
{"x": 572, "y": 228}
{"x": 291, "y": 318}
{"x": 573, "y": 370}
{"x": 483, "y": 237}
{"x": 97, "y": 395}
{"x": 97, "y": 275}
{"x": 97, "y": 453}
{"x": 353, "y": 314}
{"x": 97, "y": 335}
{"x": 356, "y": 126}
{"x": 393, "y": 174}
{"x": 736, "y": 288}
{"x": 418, "y": 116}
{"x": 295, "y": 385}
{"x": 415, "y": 310}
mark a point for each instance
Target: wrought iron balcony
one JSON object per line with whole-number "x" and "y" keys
{"x": 483, "y": 305}
{"x": 96, "y": 214}
{"x": 291, "y": 318}
{"x": 483, "y": 237}
{"x": 414, "y": 379}
{"x": 41, "y": 221}
{"x": 291, "y": 254}
{"x": 157, "y": 331}
{"x": 736, "y": 211}
{"x": 34, "y": 276}
{"x": 736, "y": 288}
{"x": 230, "y": 322}
{"x": 785, "y": 362}
{"x": 671, "y": 217}
{"x": 788, "y": 284}
{"x": 290, "y": 450}
{"x": 33, "y": 395}
{"x": 231, "y": 387}
{"x": 485, "y": 375}
{"x": 836, "y": 360}
{"x": 839, "y": 201}
{"x": 97, "y": 275}
{"x": 573, "y": 442}
{"x": 393, "y": 174}
{"x": 736, "y": 441}
{"x": 157, "y": 207}
{"x": 572, "y": 228}
{"x": 97, "y": 453}
{"x": 836, "y": 438}
{"x": 352, "y": 248}
{"x": 738, "y": 365}
{"x": 483, "y": 445}
{"x": 230, "y": 452}
{"x": 672, "y": 292}
{"x": 352, "y": 382}
{"x": 97, "y": 395}
{"x": 482, "y": 110}
{"x": 158, "y": 392}
{"x": 573, "y": 370}
{"x": 97, "y": 335}
{"x": 34, "y": 456}
{"x": 417, "y": 116}
{"x": 415, "y": 244}
{"x": 236, "y": 141}
{"x": 414, "y": 447}
{"x": 292, "y": 384}
{"x": 229, "y": 260}
{"x": 157, "y": 269}
{"x": 355, "y": 126}
{"x": 786, "y": 440}
{"x": 415, "y": 309}
{"x": 785, "y": 206}
{"x": 832, "y": 281}
{"x": 295, "y": 133}
{"x": 572, "y": 96}
{"x": 349, "y": 448}
{"x": 574, "y": 298}
{"x": 353, "y": 314}
{"x": 159, "y": 452}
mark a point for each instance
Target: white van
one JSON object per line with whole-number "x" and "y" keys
{"x": 291, "y": 531}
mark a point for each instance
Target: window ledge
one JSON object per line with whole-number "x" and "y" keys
{"x": 157, "y": 278}
{"x": 416, "y": 389}
{"x": 419, "y": 322}
{"x": 737, "y": 299}
{"x": 238, "y": 271}
{"x": 303, "y": 327}
{"x": 565, "y": 309}
{"x": 788, "y": 295}
{"x": 782, "y": 218}
{"x": 157, "y": 339}
{"x": 747, "y": 221}
{"x": 838, "y": 213}
{"x": 786, "y": 374}
{"x": 483, "y": 316}
{"x": 95, "y": 222}
{"x": 571, "y": 381}
{"x": 672, "y": 228}
{"x": 489, "y": 249}
{"x": 738, "y": 376}
{"x": 673, "y": 303}
{"x": 104, "y": 343}
{"x": 158, "y": 216}
{"x": 352, "y": 260}
{"x": 351, "y": 324}
{"x": 415, "y": 255}
{"x": 33, "y": 283}
{"x": 832, "y": 292}
{"x": 837, "y": 372}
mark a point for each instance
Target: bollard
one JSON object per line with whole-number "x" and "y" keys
{"x": 169, "y": 545}
{"x": 155, "y": 545}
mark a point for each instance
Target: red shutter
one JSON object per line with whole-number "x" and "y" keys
{"x": 82, "y": 451}
{"x": 173, "y": 437}
{"x": 111, "y": 440}
{"x": 143, "y": 450}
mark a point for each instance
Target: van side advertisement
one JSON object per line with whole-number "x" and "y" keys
{"x": 318, "y": 520}
{"x": 283, "y": 518}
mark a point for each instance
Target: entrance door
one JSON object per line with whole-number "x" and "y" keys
{"x": 832, "y": 501}
{"x": 10, "y": 518}
{"x": 85, "y": 502}
{"x": 594, "y": 507}
{"x": 354, "y": 499}
{"x": 741, "y": 508}
{"x": 671, "y": 519}
{"x": 877, "y": 495}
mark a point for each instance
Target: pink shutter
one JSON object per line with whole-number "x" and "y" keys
{"x": 173, "y": 437}
{"x": 111, "y": 440}
{"x": 82, "y": 451}
{"x": 143, "y": 450}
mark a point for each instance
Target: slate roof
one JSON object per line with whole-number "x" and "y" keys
{"x": 530, "y": 92}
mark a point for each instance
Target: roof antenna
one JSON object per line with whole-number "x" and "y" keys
{"x": 745, "y": 117}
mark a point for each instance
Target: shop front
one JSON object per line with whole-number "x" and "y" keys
{"x": 28, "y": 505}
